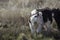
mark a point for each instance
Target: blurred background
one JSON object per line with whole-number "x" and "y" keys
{"x": 14, "y": 16}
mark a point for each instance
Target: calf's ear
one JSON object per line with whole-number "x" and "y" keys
{"x": 40, "y": 13}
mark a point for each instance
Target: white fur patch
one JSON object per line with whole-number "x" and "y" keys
{"x": 38, "y": 20}
{"x": 33, "y": 12}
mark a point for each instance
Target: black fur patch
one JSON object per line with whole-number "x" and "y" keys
{"x": 57, "y": 16}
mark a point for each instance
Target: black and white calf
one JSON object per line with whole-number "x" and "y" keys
{"x": 43, "y": 17}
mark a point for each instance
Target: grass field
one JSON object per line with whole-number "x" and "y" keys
{"x": 14, "y": 18}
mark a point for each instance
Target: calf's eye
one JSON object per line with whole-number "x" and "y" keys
{"x": 36, "y": 16}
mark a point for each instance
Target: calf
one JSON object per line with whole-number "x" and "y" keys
{"x": 43, "y": 17}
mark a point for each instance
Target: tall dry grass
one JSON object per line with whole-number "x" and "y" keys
{"x": 14, "y": 16}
